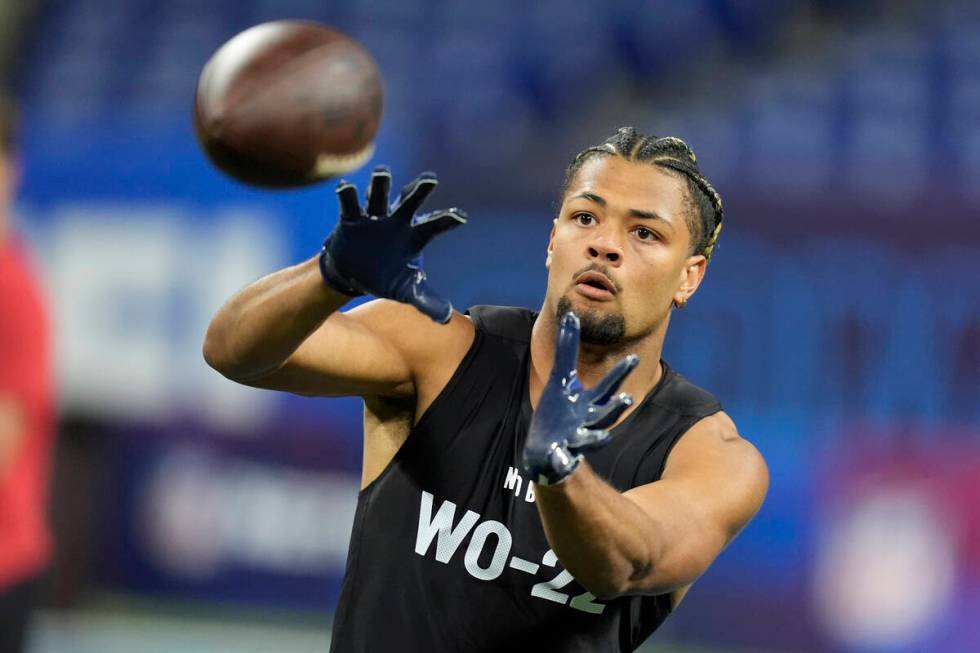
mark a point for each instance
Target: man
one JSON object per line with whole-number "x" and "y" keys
{"x": 481, "y": 525}
{"x": 26, "y": 414}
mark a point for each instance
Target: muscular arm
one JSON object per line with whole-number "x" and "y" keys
{"x": 660, "y": 537}
{"x": 261, "y": 326}
{"x": 285, "y": 332}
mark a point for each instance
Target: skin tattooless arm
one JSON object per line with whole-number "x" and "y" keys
{"x": 657, "y": 537}
{"x": 373, "y": 250}
{"x": 586, "y": 521}
{"x": 601, "y": 537}
{"x": 257, "y": 330}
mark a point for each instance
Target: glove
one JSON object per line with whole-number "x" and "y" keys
{"x": 570, "y": 419}
{"x": 379, "y": 251}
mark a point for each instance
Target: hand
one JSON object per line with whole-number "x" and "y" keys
{"x": 570, "y": 419}
{"x": 378, "y": 251}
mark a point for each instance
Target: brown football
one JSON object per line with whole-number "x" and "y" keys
{"x": 288, "y": 103}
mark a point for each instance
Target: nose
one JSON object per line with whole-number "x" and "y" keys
{"x": 605, "y": 250}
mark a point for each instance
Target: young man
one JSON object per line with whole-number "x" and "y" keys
{"x": 482, "y": 525}
{"x": 26, "y": 414}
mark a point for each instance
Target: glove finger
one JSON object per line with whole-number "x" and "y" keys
{"x": 602, "y": 417}
{"x": 609, "y": 384}
{"x": 350, "y": 206}
{"x": 413, "y": 194}
{"x": 430, "y": 225}
{"x": 429, "y": 303}
{"x": 566, "y": 349}
{"x": 378, "y": 191}
{"x": 586, "y": 439}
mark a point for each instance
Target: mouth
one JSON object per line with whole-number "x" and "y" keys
{"x": 595, "y": 285}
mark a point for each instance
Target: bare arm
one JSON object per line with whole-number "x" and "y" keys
{"x": 659, "y": 537}
{"x": 285, "y": 332}
{"x": 261, "y": 326}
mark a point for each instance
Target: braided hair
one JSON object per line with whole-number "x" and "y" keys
{"x": 706, "y": 213}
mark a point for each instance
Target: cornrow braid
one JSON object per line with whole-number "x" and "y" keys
{"x": 706, "y": 215}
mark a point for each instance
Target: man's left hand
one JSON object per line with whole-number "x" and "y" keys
{"x": 570, "y": 419}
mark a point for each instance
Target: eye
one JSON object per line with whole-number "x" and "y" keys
{"x": 584, "y": 219}
{"x": 645, "y": 234}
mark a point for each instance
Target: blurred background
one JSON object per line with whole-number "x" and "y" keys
{"x": 839, "y": 322}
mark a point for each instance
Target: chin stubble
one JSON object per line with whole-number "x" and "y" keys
{"x": 597, "y": 328}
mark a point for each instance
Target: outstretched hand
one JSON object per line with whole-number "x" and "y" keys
{"x": 570, "y": 419}
{"x": 377, "y": 250}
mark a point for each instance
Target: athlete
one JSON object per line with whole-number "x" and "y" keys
{"x": 27, "y": 411}
{"x": 531, "y": 481}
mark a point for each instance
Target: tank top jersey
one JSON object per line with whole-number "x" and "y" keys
{"x": 447, "y": 551}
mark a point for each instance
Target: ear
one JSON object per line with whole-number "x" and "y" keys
{"x": 691, "y": 276}
{"x": 551, "y": 243}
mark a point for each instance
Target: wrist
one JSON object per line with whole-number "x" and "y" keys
{"x": 331, "y": 277}
{"x": 321, "y": 298}
{"x": 553, "y": 467}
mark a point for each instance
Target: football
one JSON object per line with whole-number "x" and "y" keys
{"x": 287, "y": 104}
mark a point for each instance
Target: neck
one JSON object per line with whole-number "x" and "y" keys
{"x": 595, "y": 361}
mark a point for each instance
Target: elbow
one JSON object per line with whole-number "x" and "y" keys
{"x": 220, "y": 357}
{"x": 213, "y": 351}
{"x": 606, "y": 591}
{"x": 217, "y": 356}
{"x": 612, "y": 583}
{"x": 611, "y": 586}
{"x": 214, "y": 361}
{"x": 628, "y": 578}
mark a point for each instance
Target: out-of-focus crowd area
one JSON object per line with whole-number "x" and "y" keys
{"x": 839, "y": 322}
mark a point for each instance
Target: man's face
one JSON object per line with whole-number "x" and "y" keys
{"x": 619, "y": 250}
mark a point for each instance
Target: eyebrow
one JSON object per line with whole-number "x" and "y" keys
{"x": 592, "y": 197}
{"x": 636, "y": 213}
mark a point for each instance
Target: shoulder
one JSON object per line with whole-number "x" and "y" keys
{"x": 680, "y": 395}
{"x": 511, "y": 322}
{"x": 714, "y": 449}
{"x": 716, "y": 436}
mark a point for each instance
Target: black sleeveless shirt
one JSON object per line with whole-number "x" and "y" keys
{"x": 447, "y": 551}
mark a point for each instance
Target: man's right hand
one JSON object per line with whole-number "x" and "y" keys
{"x": 377, "y": 250}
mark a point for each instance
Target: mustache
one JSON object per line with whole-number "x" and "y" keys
{"x": 601, "y": 269}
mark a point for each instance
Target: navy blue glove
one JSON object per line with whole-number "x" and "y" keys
{"x": 570, "y": 419}
{"x": 378, "y": 250}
